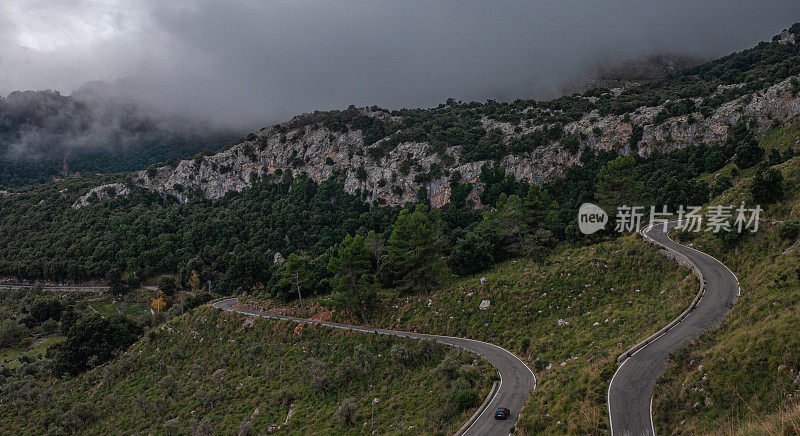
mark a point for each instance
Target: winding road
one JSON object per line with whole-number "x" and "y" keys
{"x": 516, "y": 379}
{"x": 58, "y": 288}
{"x": 631, "y": 389}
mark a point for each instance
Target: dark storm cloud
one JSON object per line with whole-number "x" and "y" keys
{"x": 254, "y": 62}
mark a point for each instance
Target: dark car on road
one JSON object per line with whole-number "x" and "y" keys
{"x": 502, "y": 413}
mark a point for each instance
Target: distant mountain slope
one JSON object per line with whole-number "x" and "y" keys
{"x": 44, "y": 134}
{"x": 394, "y": 157}
{"x": 628, "y": 72}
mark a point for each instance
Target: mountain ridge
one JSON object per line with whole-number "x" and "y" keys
{"x": 270, "y": 152}
{"x": 389, "y": 157}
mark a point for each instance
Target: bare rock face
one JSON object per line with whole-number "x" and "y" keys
{"x": 400, "y": 173}
{"x": 100, "y": 193}
{"x": 787, "y": 37}
{"x": 278, "y": 259}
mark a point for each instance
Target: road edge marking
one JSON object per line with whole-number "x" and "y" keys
{"x": 482, "y": 409}
{"x": 641, "y": 345}
{"x": 398, "y": 333}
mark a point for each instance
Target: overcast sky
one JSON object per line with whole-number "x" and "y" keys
{"x": 256, "y": 61}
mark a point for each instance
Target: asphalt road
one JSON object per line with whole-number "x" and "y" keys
{"x": 516, "y": 379}
{"x": 631, "y": 389}
{"x": 65, "y": 288}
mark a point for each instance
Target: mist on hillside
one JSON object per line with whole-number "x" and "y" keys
{"x": 95, "y": 129}
{"x": 246, "y": 64}
{"x": 39, "y": 124}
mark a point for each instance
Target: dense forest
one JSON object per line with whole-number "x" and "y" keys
{"x": 233, "y": 241}
{"x": 288, "y": 235}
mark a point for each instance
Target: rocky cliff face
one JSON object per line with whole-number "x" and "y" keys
{"x": 100, "y": 193}
{"x": 396, "y": 177}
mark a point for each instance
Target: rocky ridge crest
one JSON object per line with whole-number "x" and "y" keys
{"x": 394, "y": 179}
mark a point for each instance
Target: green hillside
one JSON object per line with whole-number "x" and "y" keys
{"x": 568, "y": 318}
{"x": 744, "y": 377}
{"x": 215, "y": 372}
{"x": 515, "y": 272}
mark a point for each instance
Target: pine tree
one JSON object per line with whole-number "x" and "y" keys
{"x": 167, "y": 284}
{"x": 540, "y": 208}
{"x": 412, "y": 255}
{"x": 116, "y": 285}
{"x": 297, "y": 274}
{"x": 538, "y": 246}
{"x": 352, "y": 268}
{"x": 508, "y": 222}
{"x": 617, "y": 184}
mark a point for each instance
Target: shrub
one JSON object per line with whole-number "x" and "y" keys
{"x": 399, "y": 353}
{"x": 346, "y": 413}
{"x": 767, "y": 186}
{"x": 464, "y": 399}
{"x": 318, "y": 371}
{"x": 424, "y": 350}
{"x": 365, "y": 361}
{"x": 81, "y": 415}
{"x": 193, "y": 301}
{"x": 50, "y": 326}
{"x": 11, "y": 333}
{"x": 42, "y": 310}
{"x": 449, "y": 366}
{"x": 722, "y": 184}
{"x": 347, "y": 371}
{"x": 93, "y": 341}
{"x": 789, "y": 229}
{"x": 472, "y": 253}
{"x": 361, "y": 173}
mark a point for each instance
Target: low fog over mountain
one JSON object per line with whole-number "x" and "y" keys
{"x": 96, "y": 128}
{"x": 250, "y": 63}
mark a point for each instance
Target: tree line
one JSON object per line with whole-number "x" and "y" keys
{"x": 334, "y": 241}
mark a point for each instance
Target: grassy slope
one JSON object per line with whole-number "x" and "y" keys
{"x": 211, "y": 369}
{"x": 573, "y": 362}
{"x": 749, "y": 368}
{"x": 9, "y": 357}
{"x": 12, "y": 302}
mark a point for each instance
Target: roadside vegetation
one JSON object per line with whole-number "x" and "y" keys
{"x": 568, "y": 316}
{"x": 212, "y": 372}
{"x": 744, "y": 377}
{"x": 515, "y": 272}
{"x": 233, "y": 241}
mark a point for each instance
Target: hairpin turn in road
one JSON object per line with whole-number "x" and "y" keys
{"x": 516, "y": 379}
{"x": 631, "y": 389}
